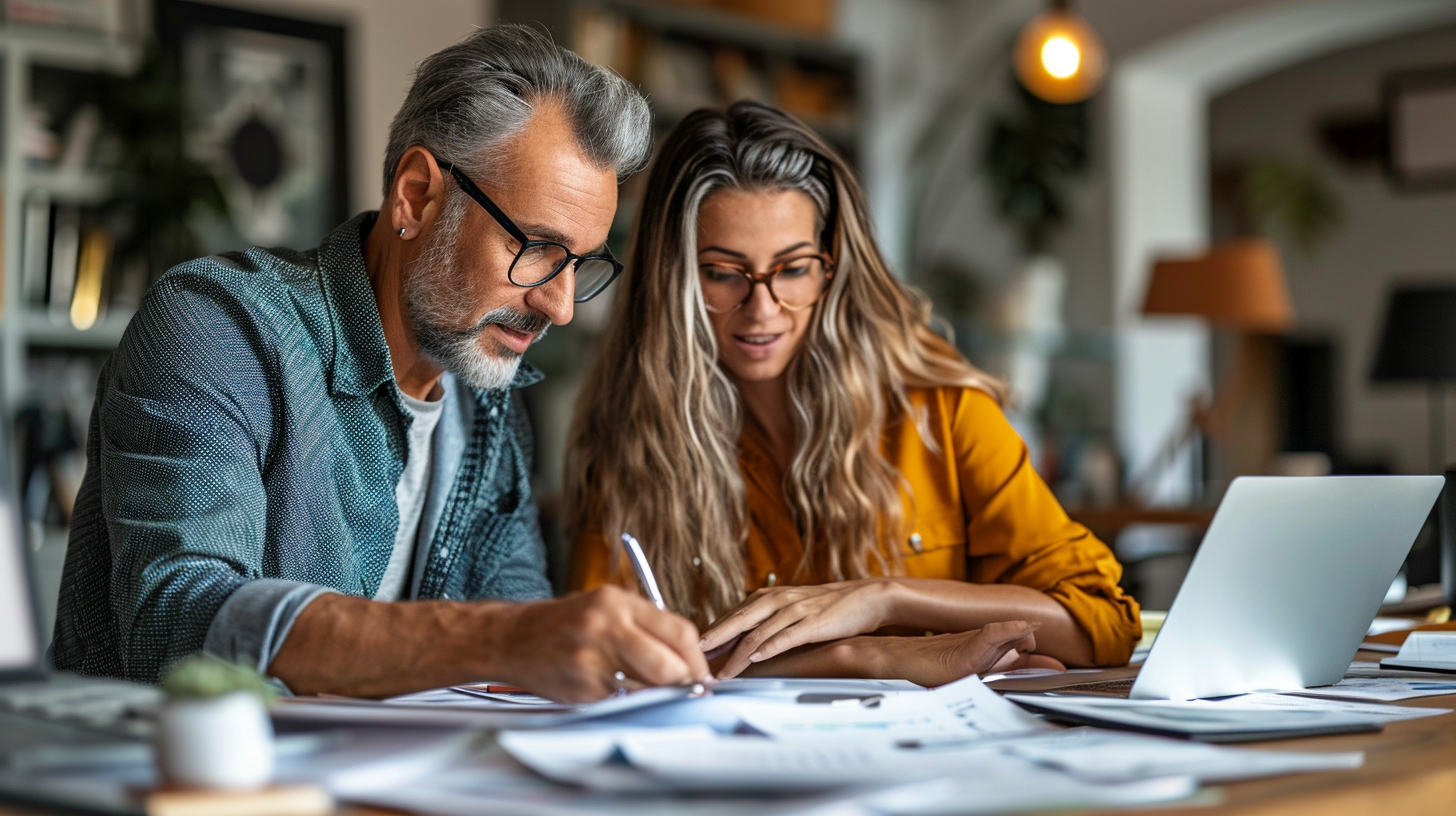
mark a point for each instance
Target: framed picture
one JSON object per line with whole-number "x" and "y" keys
{"x": 1420, "y": 114}
{"x": 266, "y": 110}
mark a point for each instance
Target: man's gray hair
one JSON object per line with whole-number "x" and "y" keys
{"x": 470, "y": 98}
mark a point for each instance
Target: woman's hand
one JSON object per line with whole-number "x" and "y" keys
{"x": 773, "y": 621}
{"x": 941, "y": 659}
{"x": 928, "y": 661}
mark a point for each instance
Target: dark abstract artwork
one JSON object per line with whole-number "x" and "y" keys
{"x": 265, "y": 103}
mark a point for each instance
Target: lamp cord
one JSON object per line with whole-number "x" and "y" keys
{"x": 1438, "y": 426}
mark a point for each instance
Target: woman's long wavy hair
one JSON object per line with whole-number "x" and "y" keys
{"x": 655, "y": 442}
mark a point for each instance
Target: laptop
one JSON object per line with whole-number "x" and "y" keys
{"x": 1282, "y": 589}
{"x": 47, "y": 716}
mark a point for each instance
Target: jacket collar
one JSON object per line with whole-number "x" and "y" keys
{"x": 361, "y": 356}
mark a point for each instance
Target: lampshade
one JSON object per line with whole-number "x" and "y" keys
{"x": 1059, "y": 58}
{"x": 1237, "y": 284}
{"x": 1418, "y": 341}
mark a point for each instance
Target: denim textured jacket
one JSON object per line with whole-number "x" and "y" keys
{"x": 247, "y": 438}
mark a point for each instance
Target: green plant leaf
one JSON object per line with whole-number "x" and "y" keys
{"x": 1290, "y": 198}
{"x": 202, "y": 676}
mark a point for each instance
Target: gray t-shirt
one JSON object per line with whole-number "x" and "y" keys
{"x": 414, "y": 483}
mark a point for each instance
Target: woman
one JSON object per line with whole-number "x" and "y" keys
{"x": 771, "y": 415}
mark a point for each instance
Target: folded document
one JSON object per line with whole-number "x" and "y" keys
{"x": 1246, "y": 718}
{"x": 1425, "y": 651}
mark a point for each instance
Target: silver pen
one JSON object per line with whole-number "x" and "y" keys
{"x": 643, "y": 569}
{"x": 649, "y": 585}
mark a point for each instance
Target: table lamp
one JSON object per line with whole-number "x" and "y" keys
{"x": 1237, "y": 285}
{"x": 1418, "y": 344}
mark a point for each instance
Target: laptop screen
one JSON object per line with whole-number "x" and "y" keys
{"x": 19, "y": 636}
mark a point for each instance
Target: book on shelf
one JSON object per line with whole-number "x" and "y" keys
{"x": 66, "y": 261}
{"x": 88, "y": 297}
{"x": 78, "y": 142}
{"x": 102, "y": 16}
{"x": 35, "y": 247}
{"x": 65, "y": 253}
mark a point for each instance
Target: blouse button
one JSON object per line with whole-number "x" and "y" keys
{"x": 915, "y": 543}
{"x": 771, "y": 580}
{"x": 697, "y": 562}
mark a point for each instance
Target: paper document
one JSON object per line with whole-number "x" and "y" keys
{"x": 448, "y": 707}
{"x": 491, "y": 783}
{"x": 1425, "y": 651}
{"x": 702, "y": 762}
{"x": 1374, "y": 712}
{"x": 984, "y": 793}
{"x": 1238, "y": 719}
{"x": 1380, "y": 626}
{"x": 794, "y": 686}
{"x": 1382, "y": 688}
{"x": 1108, "y": 756}
{"x": 965, "y": 708}
{"x": 698, "y": 760}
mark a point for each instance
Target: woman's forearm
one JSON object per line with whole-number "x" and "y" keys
{"x": 928, "y": 661}
{"x": 956, "y": 606}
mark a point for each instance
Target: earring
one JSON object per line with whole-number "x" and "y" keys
{"x": 401, "y": 232}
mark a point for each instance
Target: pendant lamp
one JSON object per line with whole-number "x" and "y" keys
{"x": 1058, "y": 56}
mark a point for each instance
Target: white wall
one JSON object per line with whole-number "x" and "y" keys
{"x": 386, "y": 39}
{"x": 1146, "y": 192}
{"x": 1387, "y": 235}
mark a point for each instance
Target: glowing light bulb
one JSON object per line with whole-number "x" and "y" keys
{"x": 1060, "y": 57}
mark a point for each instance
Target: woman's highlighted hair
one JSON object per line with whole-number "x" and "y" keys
{"x": 654, "y": 445}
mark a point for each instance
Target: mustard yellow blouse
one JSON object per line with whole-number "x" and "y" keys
{"x": 976, "y": 509}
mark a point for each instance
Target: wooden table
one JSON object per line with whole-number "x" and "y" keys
{"x": 1410, "y": 770}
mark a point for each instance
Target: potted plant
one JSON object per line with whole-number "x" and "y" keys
{"x": 214, "y": 730}
{"x": 1033, "y": 150}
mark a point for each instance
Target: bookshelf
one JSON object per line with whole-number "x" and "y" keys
{"x": 23, "y": 325}
{"x": 683, "y": 54}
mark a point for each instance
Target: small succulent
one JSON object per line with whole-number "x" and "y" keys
{"x": 204, "y": 677}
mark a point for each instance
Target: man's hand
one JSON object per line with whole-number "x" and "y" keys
{"x": 570, "y": 649}
{"x": 774, "y": 621}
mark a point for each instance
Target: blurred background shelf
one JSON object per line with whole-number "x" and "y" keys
{"x": 80, "y": 187}
{"x": 43, "y": 330}
{"x": 69, "y": 48}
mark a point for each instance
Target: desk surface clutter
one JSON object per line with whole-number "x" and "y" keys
{"x": 812, "y": 746}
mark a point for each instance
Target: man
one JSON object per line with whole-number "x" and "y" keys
{"x": 286, "y": 442}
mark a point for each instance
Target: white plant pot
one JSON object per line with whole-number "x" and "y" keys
{"x": 221, "y": 742}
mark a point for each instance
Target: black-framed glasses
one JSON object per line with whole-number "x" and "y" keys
{"x": 796, "y": 283}
{"x": 538, "y": 261}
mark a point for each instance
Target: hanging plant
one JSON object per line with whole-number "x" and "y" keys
{"x": 1033, "y": 151}
{"x": 1291, "y": 199}
{"x": 160, "y": 187}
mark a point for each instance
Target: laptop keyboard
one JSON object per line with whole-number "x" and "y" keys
{"x": 119, "y": 708}
{"x": 1105, "y": 688}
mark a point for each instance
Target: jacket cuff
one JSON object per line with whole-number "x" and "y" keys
{"x": 253, "y": 622}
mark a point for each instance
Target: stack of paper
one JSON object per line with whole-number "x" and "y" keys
{"x": 805, "y": 746}
{"x": 1425, "y": 651}
{"x": 1245, "y": 718}
{"x": 699, "y": 761}
{"x": 969, "y": 750}
{"x": 1385, "y": 687}
{"x": 457, "y": 707}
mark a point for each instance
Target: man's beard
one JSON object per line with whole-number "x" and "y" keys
{"x": 437, "y": 300}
